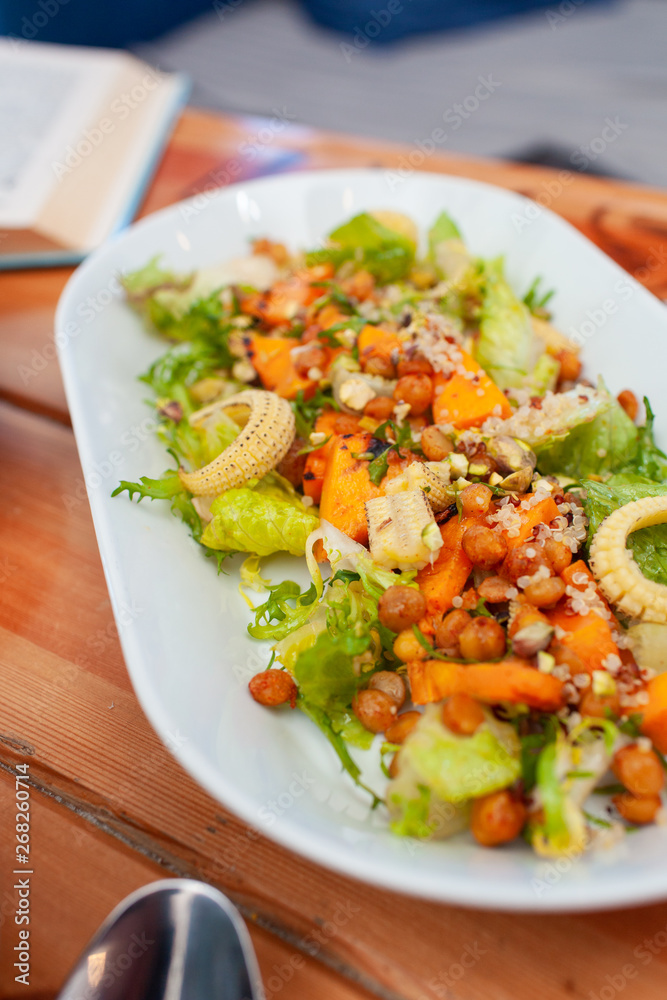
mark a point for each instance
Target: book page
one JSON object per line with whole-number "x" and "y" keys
{"x": 47, "y": 95}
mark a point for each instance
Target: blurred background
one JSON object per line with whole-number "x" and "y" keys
{"x": 580, "y": 84}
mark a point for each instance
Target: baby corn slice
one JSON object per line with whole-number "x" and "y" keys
{"x": 402, "y": 531}
{"x": 419, "y": 475}
{"x": 620, "y": 578}
{"x": 261, "y": 445}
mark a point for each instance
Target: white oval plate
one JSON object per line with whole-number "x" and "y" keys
{"x": 183, "y": 630}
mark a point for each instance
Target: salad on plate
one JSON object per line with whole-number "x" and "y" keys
{"x": 485, "y": 529}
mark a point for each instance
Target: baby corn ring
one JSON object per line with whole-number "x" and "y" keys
{"x": 261, "y": 445}
{"x": 619, "y": 576}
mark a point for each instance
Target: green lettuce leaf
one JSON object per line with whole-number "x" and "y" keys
{"x": 447, "y": 251}
{"x": 252, "y": 520}
{"x": 443, "y": 229}
{"x": 385, "y": 253}
{"x": 505, "y": 344}
{"x": 544, "y": 375}
{"x": 149, "y": 279}
{"x": 605, "y": 445}
{"x": 649, "y": 545}
{"x": 457, "y": 768}
{"x": 325, "y": 673}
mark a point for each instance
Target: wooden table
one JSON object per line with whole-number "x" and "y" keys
{"x": 110, "y": 808}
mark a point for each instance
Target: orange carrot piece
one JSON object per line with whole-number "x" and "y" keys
{"x": 467, "y": 403}
{"x": 446, "y": 578}
{"x": 272, "y": 359}
{"x": 329, "y": 422}
{"x": 654, "y": 724}
{"x": 373, "y": 341}
{"x": 542, "y": 513}
{"x": 329, "y": 316}
{"x": 513, "y": 680}
{"x": 589, "y": 636}
{"x": 347, "y": 486}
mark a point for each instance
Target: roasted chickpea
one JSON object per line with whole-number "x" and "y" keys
{"x": 380, "y": 408}
{"x": 417, "y": 390}
{"x": 628, "y": 401}
{"x": 400, "y": 607}
{"x": 497, "y": 818}
{"x": 399, "y": 730}
{"x": 483, "y": 639}
{"x": 637, "y": 810}
{"x": 494, "y": 589}
{"x": 375, "y": 710}
{"x": 570, "y": 365}
{"x": 558, "y": 554}
{"x": 273, "y": 687}
{"x": 525, "y": 560}
{"x": 598, "y": 707}
{"x": 475, "y": 499}
{"x": 360, "y": 285}
{"x": 462, "y": 714}
{"x": 391, "y": 683}
{"x": 379, "y": 364}
{"x": 639, "y": 770}
{"x": 310, "y": 356}
{"x": 435, "y": 444}
{"x": 346, "y": 423}
{"x": 408, "y": 647}
{"x": 545, "y": 593}
{"x": 483, "y": 546}
{"x": 448, "y": 631}
{"x": 414, "y": 366}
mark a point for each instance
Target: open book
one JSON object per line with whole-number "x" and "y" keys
{"x": 81, "y": 131}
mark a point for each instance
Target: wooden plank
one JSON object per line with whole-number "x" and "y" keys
{"x": 109, "y": 765}
{"x": 627, "y": 221}
{"x": 53, "y": 588}
{"x": 79, "y": 875}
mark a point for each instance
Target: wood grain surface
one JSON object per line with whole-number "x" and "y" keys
{"x": 113, "y": 809}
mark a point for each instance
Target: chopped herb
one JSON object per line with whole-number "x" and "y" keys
{"x": 536, "y": 300}
{"x": 306, "y": 411}
{"x": 597, "y": 821}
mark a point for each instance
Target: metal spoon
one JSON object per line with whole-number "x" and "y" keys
{"x": 172, "y": 940}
